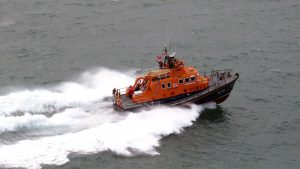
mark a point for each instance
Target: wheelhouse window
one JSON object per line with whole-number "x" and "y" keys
{"x": 193, "y": 78}
{"x": 163, "y": 86}
{"x": 186, "y": 80}
{"x": 180, "y": 81}
{"x": 169, "y": 85}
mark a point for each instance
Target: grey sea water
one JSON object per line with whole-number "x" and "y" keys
{"x": 45, "y": 43}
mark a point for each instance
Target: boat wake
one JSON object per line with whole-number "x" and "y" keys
{"x": 74, "y": 117}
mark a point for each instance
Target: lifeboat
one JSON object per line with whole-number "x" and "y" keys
{"x": 174, "y": 83}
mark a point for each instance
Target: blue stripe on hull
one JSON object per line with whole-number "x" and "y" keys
{"x": 175, "y": 98}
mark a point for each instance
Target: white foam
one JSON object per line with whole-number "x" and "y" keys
{"x": 89, "y": 88}
{"x": 70, "y": 118}
{"x": 138, "y": 133}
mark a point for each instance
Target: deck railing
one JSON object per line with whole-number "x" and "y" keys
{"x": 136, "y": 103}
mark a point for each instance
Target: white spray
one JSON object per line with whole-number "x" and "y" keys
{"x": 97, "y": 127}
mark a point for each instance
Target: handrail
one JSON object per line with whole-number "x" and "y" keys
{"x": 130, "y": 103}
{"x": 160, "y": 75}
{"x": 221, "y": 71}
{"x": 144, "y": 71}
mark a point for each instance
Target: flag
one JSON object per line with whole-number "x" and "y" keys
{"x": 159, "y": 58}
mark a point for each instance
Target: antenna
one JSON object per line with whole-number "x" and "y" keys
{"x": 175, "y": 47}
{"x": 166, "y": 39}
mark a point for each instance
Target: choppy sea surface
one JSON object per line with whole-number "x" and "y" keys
{"x": 60, "y": 59}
